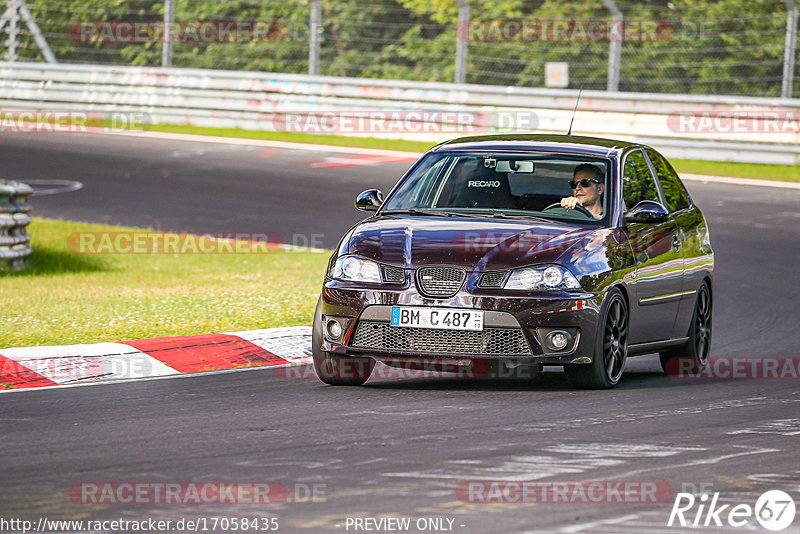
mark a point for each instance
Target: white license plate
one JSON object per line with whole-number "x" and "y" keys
{"x": 437, "y": 318}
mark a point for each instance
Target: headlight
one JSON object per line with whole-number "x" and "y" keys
{"x": 544, "y": 277}
{"x": 356, "y": 269}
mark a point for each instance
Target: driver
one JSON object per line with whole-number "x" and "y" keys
{"x": 587, "y": 190}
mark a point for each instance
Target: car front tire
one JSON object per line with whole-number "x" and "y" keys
{"x": 334, "y": 369}
{"x": 611, "y": 347}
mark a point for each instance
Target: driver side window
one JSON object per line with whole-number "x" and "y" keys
{"x": 637, "y": 181}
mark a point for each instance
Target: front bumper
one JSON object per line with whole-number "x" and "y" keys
{"x": 520, "y": 320}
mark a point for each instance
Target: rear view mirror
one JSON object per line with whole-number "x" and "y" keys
{"x": 369, "y": 200}
{"x": 506, "y": 165}
{"x": 648, "y": 212}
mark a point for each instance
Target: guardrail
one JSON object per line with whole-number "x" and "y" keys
{"x": 261, "y": 101}
{"x": 14, "y": 238}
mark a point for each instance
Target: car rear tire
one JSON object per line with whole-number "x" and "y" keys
{"x": 693, "y": 356}
{"x": 334, "y": 369}
{"x": 611, "y": 347}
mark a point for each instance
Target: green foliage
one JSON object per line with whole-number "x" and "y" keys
{"x": 702, "y": 46}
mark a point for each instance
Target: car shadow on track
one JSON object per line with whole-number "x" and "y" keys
{"x": 552, "y": 379}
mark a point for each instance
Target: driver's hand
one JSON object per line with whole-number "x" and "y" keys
{"x": 569, "y": 202}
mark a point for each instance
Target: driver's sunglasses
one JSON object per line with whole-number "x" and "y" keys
{"x": 584, "y": 183}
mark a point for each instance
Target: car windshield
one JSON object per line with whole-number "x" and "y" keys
{"x": 504, "y": 184}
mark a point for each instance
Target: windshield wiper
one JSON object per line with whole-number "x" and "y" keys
{"x": 416, "y": 211}
{"x": 504, "y": 215}
{"x": 410, "y": 211}
{"x": 436, "y": 213}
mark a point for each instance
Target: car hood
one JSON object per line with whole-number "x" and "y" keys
{"x": 477, "y": 244}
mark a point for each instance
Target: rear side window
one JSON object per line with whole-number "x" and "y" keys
{"x": 637, "y": 181}
{"x": 674, "y": 193}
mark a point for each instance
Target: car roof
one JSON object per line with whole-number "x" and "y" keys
{"x": 575, "y": 144}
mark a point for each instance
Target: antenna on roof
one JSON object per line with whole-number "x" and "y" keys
{"x": 569, "y": 132}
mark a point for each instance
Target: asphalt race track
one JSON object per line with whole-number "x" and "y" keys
{"x": 399, "y": 448}
{"x": 197, "y": 187}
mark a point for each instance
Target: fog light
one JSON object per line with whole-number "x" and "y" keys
{"x": 334, "y": 329}
{"x": 558, "y": 340}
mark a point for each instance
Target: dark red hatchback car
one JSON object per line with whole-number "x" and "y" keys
{"x": 521, "y": 251}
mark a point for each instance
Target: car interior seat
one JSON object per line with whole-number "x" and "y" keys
{"x": 482, "y": 187}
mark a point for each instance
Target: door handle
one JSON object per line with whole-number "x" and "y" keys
{"x": 676, "y": 243}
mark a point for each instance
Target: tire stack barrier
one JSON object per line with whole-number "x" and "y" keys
{"x": 14, "y": 237}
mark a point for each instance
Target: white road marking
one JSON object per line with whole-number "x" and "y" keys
{"x": 624, "y": 450}
{"x": 702, "y": 461}
{"x": 522, "y": 468}
{"x": 782, "y": 427}
{"x": 53, "y": 187}
{"x": 577, "y": 459}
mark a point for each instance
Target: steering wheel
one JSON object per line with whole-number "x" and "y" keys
{"x": 577, "y": 207}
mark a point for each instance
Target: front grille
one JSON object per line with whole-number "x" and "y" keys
{"x": 394, "y": 275}
{"x": 492, "y": 279}
{"x": 440, "y": 281}
{"x": 490, "y": 341}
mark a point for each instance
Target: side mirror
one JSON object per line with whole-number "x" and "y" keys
{"x": 648, "y": 212}
{"x": 369, "y": 200}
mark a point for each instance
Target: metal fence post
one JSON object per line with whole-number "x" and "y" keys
{"x": 11, "y": 17}
{"x": 41, "y": 42}
{"x": 16, "y": 11}
{"x": 615, "y": 45}
{"x": 314, "y": 34}
{"x": 789, "y": 49}
{"x": 462, "y": 38}
{"x": 169, "y": 19}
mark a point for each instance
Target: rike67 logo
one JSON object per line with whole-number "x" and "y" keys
{"x": 774, "y": 510}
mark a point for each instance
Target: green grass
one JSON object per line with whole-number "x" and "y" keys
{"x": 65, "y": 297}
{"x": 790, "y": 173}
{"x": 786, "y": 173}
{"x": 358, "y": 142}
